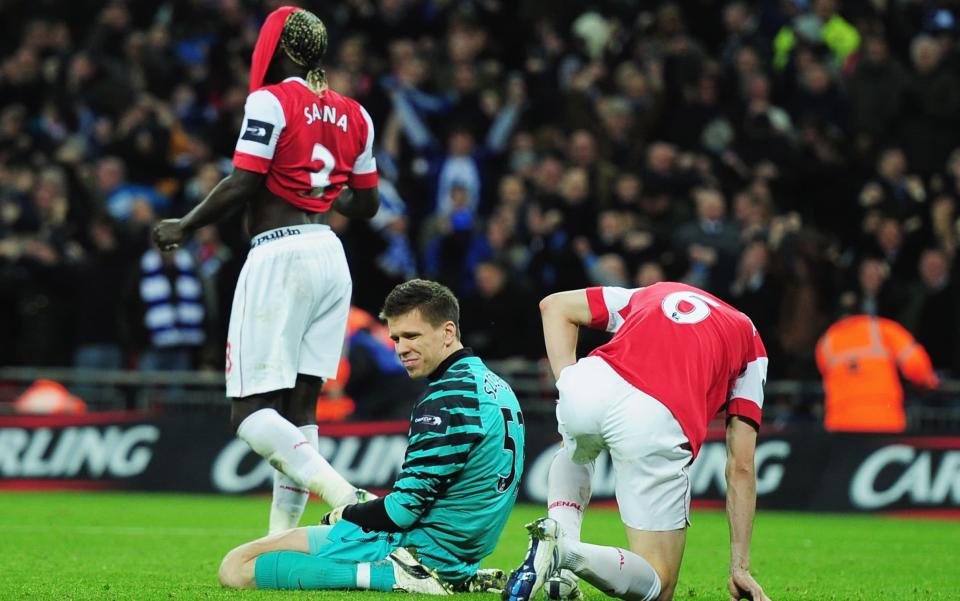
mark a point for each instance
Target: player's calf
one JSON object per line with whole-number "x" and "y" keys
{"x": 617, "y": 572}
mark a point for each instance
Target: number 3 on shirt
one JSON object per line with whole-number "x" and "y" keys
{"x": 687, "y": 307}
{"x": 321, "y": 179}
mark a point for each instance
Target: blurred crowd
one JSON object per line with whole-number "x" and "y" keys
{"x": 797, "y": 158}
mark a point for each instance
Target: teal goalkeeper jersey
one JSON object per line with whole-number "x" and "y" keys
{"x": 462, "y": 468}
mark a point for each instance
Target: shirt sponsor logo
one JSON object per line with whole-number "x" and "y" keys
{"x": 258, "y": 131}
{"x": 430, "y": 420}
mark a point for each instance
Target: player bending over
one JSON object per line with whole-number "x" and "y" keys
{"x": 678, "y": 357}
{"x": 454, "y": 492}
{"x": 300, "y": 144}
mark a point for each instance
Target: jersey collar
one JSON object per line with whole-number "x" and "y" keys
{"x": 297, "y": 79}
{"x": 446, "y": 363}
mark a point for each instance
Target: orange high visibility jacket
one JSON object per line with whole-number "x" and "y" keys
{"x": 858, "y": 357}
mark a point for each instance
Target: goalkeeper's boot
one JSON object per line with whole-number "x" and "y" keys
{"x": 411, "y": 576}
{"x": 486, "y": 580}
{"x": 542, "y": 560}
{"x": 564, "y": 585}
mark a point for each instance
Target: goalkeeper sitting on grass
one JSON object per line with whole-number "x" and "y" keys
{"x": 454, "y": 493}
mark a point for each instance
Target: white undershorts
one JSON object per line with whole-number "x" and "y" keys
{"x": 600, "y": 410}
{"x": 289, "y": 311}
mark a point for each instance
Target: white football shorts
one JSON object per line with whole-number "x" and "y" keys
{"x": 289, "y": 311}
{"x": 651, "y": 456}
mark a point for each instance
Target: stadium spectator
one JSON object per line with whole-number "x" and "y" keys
{"x": 98, "y": 329}
{"x": 213, "y": 260}
{"x": 875, "y": 295}
{"x": 875, "y": 89}
{"x": 895, "y": 192}
{"x": 495, "y": 324}
{"x": 375, "y": 373}
{"x": 754, "y": 287}
{"x": 363, "y": 546}
{"x": 934, "y": 312}
{"x": 931, "y": 106}
{"x": 167, "y": 311}
{"x": 710, "y": 244}
{"x": 678, "y": 357}
{"x": 859, "y": 358}
{"x": 822, "y": 24}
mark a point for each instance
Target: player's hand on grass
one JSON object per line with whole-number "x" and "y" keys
{"x": 168, "y": 234}
{"x": 333, "y": 516}
{"x": 741, "y": 585}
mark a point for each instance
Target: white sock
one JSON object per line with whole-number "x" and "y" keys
{"x": 568, "y": 492}
{"x": 289, "y": 498}
{"x": 287, "y": 449}
{"x": 616, "y": 572}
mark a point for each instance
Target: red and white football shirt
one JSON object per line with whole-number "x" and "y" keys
{"x": 691, "y": 351}
{"x": 310, "y": 146}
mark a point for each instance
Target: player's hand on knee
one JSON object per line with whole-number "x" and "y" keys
{"x": 168, "y": 234}
{"x": 742, "y": 585}
{"x": 333, "y": 516}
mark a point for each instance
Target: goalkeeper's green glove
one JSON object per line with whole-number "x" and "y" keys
{"x": 333, "y": 516}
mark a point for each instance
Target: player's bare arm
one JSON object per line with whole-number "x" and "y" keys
{"x": 563, "y": 313}
{"x": 360, "y": 203}
{"x": 227, "y": 196}
{"x": 741, "y": 505}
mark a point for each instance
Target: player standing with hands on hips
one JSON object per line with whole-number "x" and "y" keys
{"x": 678, "y": 357}
{"x": 300, "y": 145}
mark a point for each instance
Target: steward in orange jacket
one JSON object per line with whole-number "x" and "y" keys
{"x": 858, "y": 357}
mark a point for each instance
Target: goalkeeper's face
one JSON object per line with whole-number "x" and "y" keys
{"x": 421, "y": 346}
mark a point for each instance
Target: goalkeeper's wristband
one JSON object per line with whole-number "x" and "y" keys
{"x": 370, "y": 516}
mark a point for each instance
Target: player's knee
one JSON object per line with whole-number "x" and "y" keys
{"x": 241, "y": 409}
{"x": 231, "y": 571}
{"x": 301, "y": 405}
{"x": 228, "y": 573}
{"x": 238, "y": 413}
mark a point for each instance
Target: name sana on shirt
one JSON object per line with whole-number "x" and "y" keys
{"x": 313, "y": 113}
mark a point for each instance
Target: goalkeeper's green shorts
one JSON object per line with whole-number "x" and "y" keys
{"x": 345, "y": 541}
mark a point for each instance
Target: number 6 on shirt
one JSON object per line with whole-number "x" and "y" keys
{"x": 686, "y": 307}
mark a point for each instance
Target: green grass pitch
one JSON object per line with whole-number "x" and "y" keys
{"x": 124, "y": 546}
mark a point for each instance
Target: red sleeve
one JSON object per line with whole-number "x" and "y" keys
{"x": 250, "y": 162}
{"x": 599, "y": 316}
{"x": 363, "y": 180}
{"x": 745, "y": 408}
{"x": 746, "y": 397}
